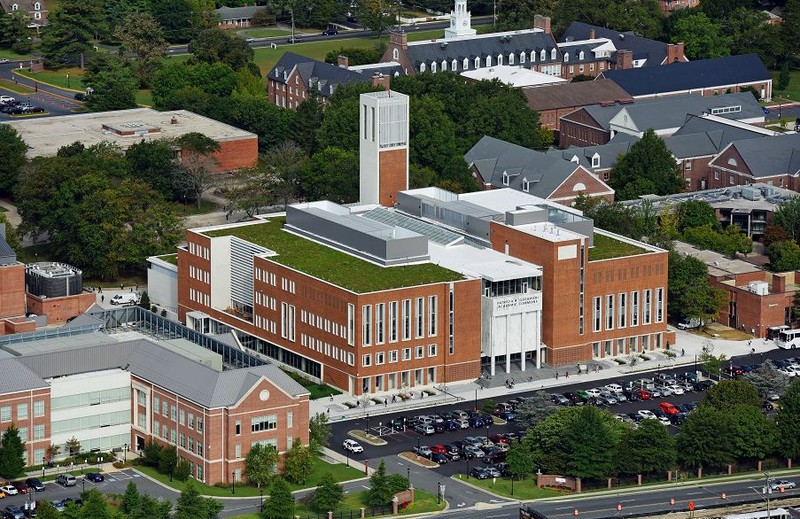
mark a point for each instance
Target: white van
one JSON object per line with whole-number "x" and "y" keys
{"x": 125, "y": 299}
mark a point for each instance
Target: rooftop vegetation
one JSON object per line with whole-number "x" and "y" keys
{"x": 606, "y": 247}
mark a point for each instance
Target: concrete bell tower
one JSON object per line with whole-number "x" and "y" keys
{"x": 383, "y": 146}
{"x": 460, "y": 21}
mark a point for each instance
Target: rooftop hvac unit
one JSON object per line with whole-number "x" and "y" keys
{"x": 760, "y": 288}
{"x": 751, "y": 193}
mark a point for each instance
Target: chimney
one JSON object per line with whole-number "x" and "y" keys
{"x": 381, "y": 80}
{"x": 542, "y": 22}
{"x": 343, "y": 61}
{"x": 174, "y": 120}
{"x": 778, "y": 283}
{"x": 674, "y": 53}
{"x": 592, "y": 34}
{"x": 624, "y": 59}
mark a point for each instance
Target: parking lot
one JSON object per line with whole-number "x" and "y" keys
{"x": 52, "y": 104}
{"x": 398, "y": 429}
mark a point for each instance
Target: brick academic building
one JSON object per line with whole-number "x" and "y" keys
{"x": 414, "y": 288}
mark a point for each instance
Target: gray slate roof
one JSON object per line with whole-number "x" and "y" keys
{"x": 608, "y": 153}
{"x": 492, "y": 157}
{"x": 7, "y": 254}
{"x": 700, "y": 137}
{"x": 162, "y": 367}
{"x": 770, "y": 156}
{"x": 483, "y": 45}
{"x": 677, "y": 77}
{"x": 18, "y": 377}
{"x": 655, "y": 52}
{"x": 321, "y": 77}
{"x": 230, "y": 13}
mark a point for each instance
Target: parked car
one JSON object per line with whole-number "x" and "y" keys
{"x": 664, "y": 420}
{"x": 6, "y": 100}
{"x": 668, "y": 408}
{"x": 3, "y": 60}
{"x": 645, "y": 414}
{"x": 425, "y": 429}
{"x": 508, "y": 416}
{"x": 689, "y": 376}
{"x": 441, "y": 459}
{"x": 644, "y": 394}
{"x": 423, "y": 450}
{"x": 96, "y": 477}
{"x": 125, "y": 299}
{"x": 473, "y": 451}
{"x": 690, "y": 324}
{"x": 330, "y": 32}
{"x": 294, "y": 39}
{"x": 703, "y": 385}
{"x": 441, "y": 449}
{"x": 352, "y": 446}
{"x": 35, "y": 484}
{"x": 559, "y": 399}
{"x": 9, "y": 490}
{"x": 59, "y": 504}
{"x": 494, "y": 456}
{"x": 67, "y": 480}
{"x": 14, "y": 512}
{"x": 250, "y": 40}
{"x": 480, "y": 473}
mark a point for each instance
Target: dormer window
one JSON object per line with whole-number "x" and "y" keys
{"x": 422, "y": 67}
{"x": 566, "y": 57}
{"x": 488, "y": 61}
{"x": 433, "y": 67}
{"x": 477, "y": 62}
{"x": 526, "y": 185}
{"x": 511, "y": 58}
{"x": 575, "y": 159}
{"x": 596, "y": 160}
{"x": 505, "y": 178}
{"x": 466, "y": 63}
{"x": 580, "y": 55}
{"x": 395, "y": 54}
{"x": 37, "y": 16}
{"x": 542, "y": 55}
{"x": 444, "y": 65}
{"x": 454, "y": 65}
{"x": 553, "y": 54}
{"x": 37, "y": 6}
{"x": 522, "y": 57}
{"x": 499, "y": 59}
{"x": 15, "y": 7}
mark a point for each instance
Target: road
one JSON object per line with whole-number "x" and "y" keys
{"x": 56, "y": 101}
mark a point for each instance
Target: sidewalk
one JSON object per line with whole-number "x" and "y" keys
{"x": 544, "y": 378}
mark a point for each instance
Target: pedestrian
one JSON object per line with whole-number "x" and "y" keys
{"x": 597, "y": 368}
{"x": 131, "y": 289}
{"x": 683, "y": 352}
{"x": 556, "y": 375}
{"x": 667, "y": 345}
{"x": 566, "y": 374}
{"x": 122, "y": 286}
{"x": 137, "y": 287}
{"x": 329, "y": 411}
{"x": 358, "y": 403}
{"x": 102, "y": 299}
{"x": 100, "y": 289}
{"x": 385, "y": 402}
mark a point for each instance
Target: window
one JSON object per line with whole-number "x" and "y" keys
{"x": 392, "y": 356}
{"x": 366, "y": 360}
{"x": 433, "y": 67}
{"x": 380, "y": 308}
{"x": 173, "y": 412}
{"x": 580, "y": 55}
{"x": 380, "y": 358}
{"x": 596, "y": 160}
{"x": 165, "y": 408}
{"x": 422, "y": 67}
{"x": 444, "y": 66}
{"x": 687, "y": 165}
{"x": 37, "y": 6}
{"x": 646, "y": 307}
{"x": 289, "y": 419}
{"x": 477, "y": 62}
{"x": 659, "y": 305}
{"x": 351, "y": 324}
{"x": 264, "y": 423}
{"x": 199, "y": 424}
{"x": 488, "y": 61}
{"x": 287, "y": 321}
{"x": 731, "y": 180}
{"x": 420, "y": 352}
{"x": 553, "y": 54}
{"x": 510, "y": 58}
{"x": 395, "y": 54}
{"x": 237, "y": 451}
{"x": 454, "y": 65}
{"x": 406, "y": 353}
{"x": 597, "y": 315}
{"x": 432, "y": 301}
{"x": 526, "y": 185}
{"x": 420, "y": 317}
{"x": 238, "y": 427}
{"x": 716, "y": 174}
{"x": 38, "y": 408}
{"x": 466, "y": 64}
{"x": 566, "y": 57}
{"x": 634, "y": 308}
{"x": 181, "y": 416}
{"x": 366, "y": 325}
{"x": 23, "y": 434}
{"x": 22, "y": 411}
{"x": 542, "y": 55}
{"x": 622, "y": 309}
{"x": 431, "y": 350}
{"x": 406, "y": 319}
{"x": 5, "y": 413}
{"x": 190, "y": 423}
{"x": 393, "y": 321}
{"x": 499, "y": 59}
{"x": 610, "y": 312}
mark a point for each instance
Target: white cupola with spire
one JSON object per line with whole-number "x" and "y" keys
{"x": 460, "y": 21}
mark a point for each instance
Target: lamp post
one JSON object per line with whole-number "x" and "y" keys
{"x": 367, "y": 429}
{"x": 512, "y": 484}
{"x": 233, "y": 482}
{"x": 476, "y": 401}
{"x": 768, "y": 491}
{"x": 83, "y": 484}
{"x": 68, "y": 86}
{"x": 408, "y": 476}
{"x": 439, "y": 493}
{"x": 261, "y": 502}
{"x": 44, "y": 464}
{"x": 125, "y": 454}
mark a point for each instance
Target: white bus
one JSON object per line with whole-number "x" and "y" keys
{"x": 775, "y": 513}
{"x": 788, "y": 339}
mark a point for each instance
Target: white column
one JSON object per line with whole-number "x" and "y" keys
{"x": 538, "y": 339}
{"x": 508, "y": 360}
{"x": 493, "y": 363}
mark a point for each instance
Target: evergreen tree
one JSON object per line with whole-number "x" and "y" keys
{"x": 94, "y": 505}
{"x": 784, "y": 78}
{"x": 307, "y": 120}
{"x": 12, "y": 463}
{"x": 647, "y": 168}
{"x": 45, "y": 510}
{"x": 167, "y": 460}
{"x": 191, "y": 505}
{"x": 72, "y": 29}
{"x": 789, "y": 422}
{"x": 328, "y": 495}
{"x": 152, "y": 453}
{"x": 280, "y": 503}
{"x": 379, "y": 493}
{"x": 130, "y": 499}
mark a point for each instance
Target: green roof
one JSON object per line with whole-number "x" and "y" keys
{"x": 332, "y": 265}
{"x": 606, "y": 247}
{"x": 169, "y": 258}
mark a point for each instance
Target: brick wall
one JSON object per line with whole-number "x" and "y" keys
{"x": 12, "y": 290}
{"x": 59, "y": 309}
{"x": 27, "y": 421}
{"x": 393, "y": 169}
{"x": 237, "y": 154}
{"x": 581, "y": 130}
{"x": 585, "y": 183}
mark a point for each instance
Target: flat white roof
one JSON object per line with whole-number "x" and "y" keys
{"x": 475, "y": 36}
{"x": 514, "y": 76}
{"x": 479, "y": 262}
{"x": 46, "y": 135}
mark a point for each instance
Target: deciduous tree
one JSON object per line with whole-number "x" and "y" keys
{"x": 153, "y": 162}
{"x": 142, "y": 39}
{"x": 195, "y": 173}
{"x": 379, "y": 493}
{"x": 12, "y": 157}
{"x": 787, "y": 217}
{"x": 319, "y": 432}
{"x": 648, "y": 449}
{"x": 702, "y": 37}
{"x": 730, "y": 393}
{"x": 705, "y": 439}
{"x": 753, "y": 436}
{"x": 332, "y": 175}
{"x": 784, "y": 256}
{"x": 216, "y": 45}
{"x": 697, "y": 213}
{"x": 690, "y": 294}
{"x": 788, "y": 421}
{"x": 284, "y": 165}
{"x": 259, "y": 464}
{"x": 647, "y": 168}
{"x": 520, "y": 457}
{"x": 298, "y": 463}
{"x": 113, "y": 84}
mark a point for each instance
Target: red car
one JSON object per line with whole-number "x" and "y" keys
{"x": 439, "y": 449}
{"x": 20, "y": 486}
{"x": 499, "y": 438}
{"x": 669, "y": 408}
{"x": 644, "y": 394}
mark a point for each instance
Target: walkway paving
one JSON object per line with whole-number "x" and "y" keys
{"x": 688, "y": 346}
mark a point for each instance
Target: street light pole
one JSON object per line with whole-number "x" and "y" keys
{"x": 233, "y": 482}
{"x": 261, "y": 502}
{"x": 439, "y": 493}
{"x": 476, "y": 400}
{"x": 768, "y": 490}
{"x": 125, "y": 454}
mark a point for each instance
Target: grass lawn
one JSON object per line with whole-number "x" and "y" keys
{"x": 34, "y": 253}
{"x": 14, "y": 87}
{"x": 331, "y": 265}
{"x": 793, "y": 91}
{"x": 316, "y": 390}
{"x": 339, "y": 471}
{"x": 144, "y": 97}
{"x": 606, "y": 247}
{"x": 525, "y": 489}
{"x": 58, "y": 77}
{"x": 10, "y": 54}
{"x": 267, "y": 32}
{"x": 192, "y": 209}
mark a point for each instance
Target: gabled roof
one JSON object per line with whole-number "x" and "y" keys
{"x": 700, "y": 136}
{"x": 163, "y": 367}
{"x": 23, "y": 5}
{"x": 228, "y": 13}
{"x": 7, "y": 254}
{"x": 321, "y": 77}
{"x": 607, "y": 153}
{"x": 769, "y": 156}
{"x": 582, "y": 93}
{"x": 678, "y": 77}
{"x": 493, "y": 44}
{"x": 653, "y": 51}
{"x": 18, "y": 377}
{"x": 544, "y": 173}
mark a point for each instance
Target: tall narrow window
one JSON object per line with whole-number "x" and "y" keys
{"x": 597, "y": 314}
{"x": 610, "y": 312}
{"x": 351, "y": 324}
{"x": 646, "y": 306}
{"x": 366, "y": 325}
{"x": 659, "y": 305}
{"x": 634, "y": 308}
{"x": 393, "y": 321}
{"x": 380, "y": 310}
{"x": 406, "y": 319}
{"x": 420, "y": 317}
{"x": 622, "y": 309}
{"x": 432, "y": 302}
